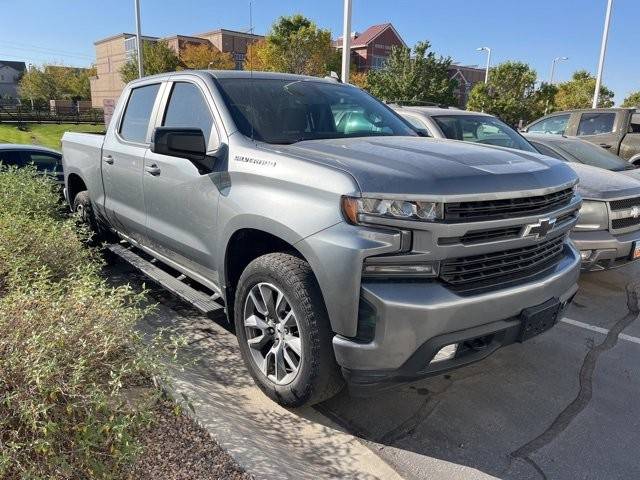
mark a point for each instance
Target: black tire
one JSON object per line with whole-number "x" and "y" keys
{"x": 83, "y": 209}
{"x": 318, "y": 377}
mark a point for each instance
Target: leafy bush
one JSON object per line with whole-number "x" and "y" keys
{"x": 69, "y": 353}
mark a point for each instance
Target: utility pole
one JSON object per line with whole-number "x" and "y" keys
{"x": 603, "y": 51}
{"x": 486, "y": 72}
{"x": 139, "y": 40}
{"x": 346, "y": 41}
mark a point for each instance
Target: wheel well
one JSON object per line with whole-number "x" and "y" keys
{"x": 635, "y": 161}
{"x": 245, "y": 246}
{"x": 75, "y": 185}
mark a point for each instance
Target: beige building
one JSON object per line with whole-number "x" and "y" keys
{"x": 113, "y": 52}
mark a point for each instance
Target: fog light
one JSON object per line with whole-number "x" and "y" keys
{"x": 585, "y": 254}
{"x": 446, "y": 353}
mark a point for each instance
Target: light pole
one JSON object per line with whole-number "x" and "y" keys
{"x": 603, "y": 51}
{"x": 139, "y": 40}
{"x": 553, "y": 67}
{"x": 346, "y": 41}
{"x": 486, "y": 73}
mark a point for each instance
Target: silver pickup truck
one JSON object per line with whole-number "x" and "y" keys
{"x": 342, "y": 245}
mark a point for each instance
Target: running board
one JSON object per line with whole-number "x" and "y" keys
{"x": 200, "y": 300}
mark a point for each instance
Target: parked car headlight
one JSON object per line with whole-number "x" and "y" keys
{"x": 593, "y": 216}
{"x": 355, "y": 209}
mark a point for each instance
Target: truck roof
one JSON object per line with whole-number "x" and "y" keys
{"x": 237, "y": 74}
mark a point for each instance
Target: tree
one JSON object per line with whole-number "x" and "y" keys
{"x": 158, "y": 57}
{"x": 204, "y": 56}
{"x": 510, "y": 93}
{"x": 633, "y": 100}
{"x": 252, "y": 60}
{"x": 359, "y": 79}
{"x": 578, "y": 92}
{"x": 294, "y": 45}
{"x": 35, "y": 84}
{"x": 418, "y": 77}
{"x": 56, "y": 82}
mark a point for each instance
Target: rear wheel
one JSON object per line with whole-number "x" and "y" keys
{"x": 283, "y": 331}
{"x": 83, "y": 210}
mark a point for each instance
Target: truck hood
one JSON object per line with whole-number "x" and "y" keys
{"x": 600, "y": 184}
{"x": 434, "y": 167}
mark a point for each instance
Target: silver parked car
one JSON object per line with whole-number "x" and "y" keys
{"x": 343, "y": 245}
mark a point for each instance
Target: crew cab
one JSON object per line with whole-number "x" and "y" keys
{"x": 615, "y": 129}
{"x": 343, "y": 246}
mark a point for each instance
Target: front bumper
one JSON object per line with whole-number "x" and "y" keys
{"x": 413, "y": 320}
{"x": 607, "y": 250}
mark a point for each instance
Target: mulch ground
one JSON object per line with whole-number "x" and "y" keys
{"x": 176, "y": 448}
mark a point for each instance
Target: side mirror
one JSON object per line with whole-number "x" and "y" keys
{"x": 188, "y": 143}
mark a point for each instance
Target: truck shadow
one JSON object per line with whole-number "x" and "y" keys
{"x": 470, "y": 420}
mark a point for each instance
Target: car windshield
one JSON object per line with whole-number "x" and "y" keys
{"x": 593, "y": 155}
{"x": 481, "y": 129}
{"x": 282, "y": 111}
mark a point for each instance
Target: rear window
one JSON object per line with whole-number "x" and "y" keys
{"x": 596, "y": 123}
{"x": 481, "y": 129}
{"x": 137, "y": 115}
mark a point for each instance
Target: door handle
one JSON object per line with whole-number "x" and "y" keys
{"x": 152, "y": 169}
{"x": 108, "y": 159}
{"x": 605, "y": 145}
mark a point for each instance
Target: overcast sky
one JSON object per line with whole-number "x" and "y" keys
{"x": 63, "y": 31}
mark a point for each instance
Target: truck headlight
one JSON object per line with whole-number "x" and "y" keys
{"x": 593, "y": 216}
{"x": 355, "y": 208}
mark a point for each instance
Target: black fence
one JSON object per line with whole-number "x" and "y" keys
{"x": 26, "y": 114}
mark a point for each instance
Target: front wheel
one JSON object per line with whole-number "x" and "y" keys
{"x": 284, "y": 332}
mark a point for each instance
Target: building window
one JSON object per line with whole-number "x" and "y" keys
{"x": 377, "y": 62}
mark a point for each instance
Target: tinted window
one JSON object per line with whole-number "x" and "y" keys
{"x": 481, "y": 129}
{"x": 11, "y": 157}
{"x": 138, "y": 113}
{"x": 188, "y": 108}
{"x": 417, "y": 123}
{"x": 44, "y": 162}
{"x": 634, "y": 127}
{"x": 288, "y": 111}
{"x": 544, "y": 150}
{"x": 556, "y": 125}
{"x": 593, "y": 155}
{"x": 596, "y": 123}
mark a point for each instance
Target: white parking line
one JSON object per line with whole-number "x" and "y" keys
{"x": 604, "y": 331}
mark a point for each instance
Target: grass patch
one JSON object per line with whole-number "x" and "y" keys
{"x": 46, "y": 135}
{"x": 69, "y": 352}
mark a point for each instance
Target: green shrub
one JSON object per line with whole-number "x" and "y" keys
{"x": 70, "y": 356}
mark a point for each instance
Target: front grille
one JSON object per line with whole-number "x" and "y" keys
{"x": 621, "y": 223}
{"x": 495, "y": 269}
{"x": 499, "y": 234}
{"x": 625, "y": 203}
{"x": 506, "y": 208}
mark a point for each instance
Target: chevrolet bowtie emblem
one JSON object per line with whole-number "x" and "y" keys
{"x": 540, "y": 229}
{"x": 635, "y": 212}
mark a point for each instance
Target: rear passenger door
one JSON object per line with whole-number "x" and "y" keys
{"x": 123, "y": 160}
{"x": 599, "y": 128}
{"x": 181, "y": 202}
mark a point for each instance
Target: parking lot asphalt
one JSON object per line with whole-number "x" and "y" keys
{"x": 562, "y": 405}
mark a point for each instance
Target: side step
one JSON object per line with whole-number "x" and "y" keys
{"x": 200, "y": 300}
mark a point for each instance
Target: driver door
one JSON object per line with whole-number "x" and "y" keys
{"x": 181, "y": 203}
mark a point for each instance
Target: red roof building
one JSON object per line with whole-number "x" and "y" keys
{"x": 371, "y": 48}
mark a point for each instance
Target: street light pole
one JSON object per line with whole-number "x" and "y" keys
{"x": 603, "y": 51}
{"x": 139, "y": 40}
{"x": 486, "y": 73}
{"x": 553, "y": 67}
{"x": 346, "y": 41}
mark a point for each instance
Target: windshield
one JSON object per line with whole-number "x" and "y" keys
{"x": 285, "y": 111}
{"x": 589, "y": 154}
{"x": 481, "y": 129}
